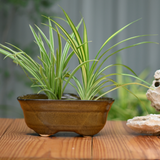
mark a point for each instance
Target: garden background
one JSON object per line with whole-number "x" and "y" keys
{"x": 103, "y": 18}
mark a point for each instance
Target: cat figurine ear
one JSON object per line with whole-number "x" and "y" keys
{"x": 153, "y": 94}
{"x": 157, "y": 75}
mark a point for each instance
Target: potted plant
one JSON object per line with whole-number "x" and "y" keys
{"x": 54, "y": 111}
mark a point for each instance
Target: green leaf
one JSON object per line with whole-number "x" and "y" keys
{"x": 119, "y": 87}
{"x": 74, "y": 71}
{"x": 41, "y": 46}
{"x": 113, "y": 35}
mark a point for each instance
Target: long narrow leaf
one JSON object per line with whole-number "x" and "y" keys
{"x": 75, "y": 70}
{"x": 40, "y": 45}
{"x": 121, "y": 50}
{"x": 113, "y": 35}
{"x": 119, "y": 87}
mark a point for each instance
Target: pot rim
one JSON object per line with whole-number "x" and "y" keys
{"x": 103, "y": 99}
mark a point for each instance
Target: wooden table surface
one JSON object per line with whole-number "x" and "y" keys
{"x": 114, "y": 141}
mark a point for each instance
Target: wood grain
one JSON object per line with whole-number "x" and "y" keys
{"x": 117, "y": 141}
{"x": 20, "y": 142}
{"x": 4, "y": 124}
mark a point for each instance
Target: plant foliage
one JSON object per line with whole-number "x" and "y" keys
{"x": 52, "y": 72}
{"x": 126, "y": 105}
{"x": 93, "y": 78}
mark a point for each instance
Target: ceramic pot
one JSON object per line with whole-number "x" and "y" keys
{"x": 47, "y": 117}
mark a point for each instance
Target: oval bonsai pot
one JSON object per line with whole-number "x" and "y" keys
{"x": 47, "y": 117}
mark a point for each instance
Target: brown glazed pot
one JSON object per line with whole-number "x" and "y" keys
{"x": 47, "y": 117}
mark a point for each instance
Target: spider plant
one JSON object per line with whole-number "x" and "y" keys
{"x": 93, "y": 77}
{"x": 126, "y": 105}
{"x": 52, "y": 71}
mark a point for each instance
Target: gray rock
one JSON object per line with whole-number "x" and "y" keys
{"x": 145, "y": 124}
{"x": 153, "y": 94}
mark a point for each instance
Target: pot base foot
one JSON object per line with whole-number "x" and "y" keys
{"x": 44, "y": 135}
